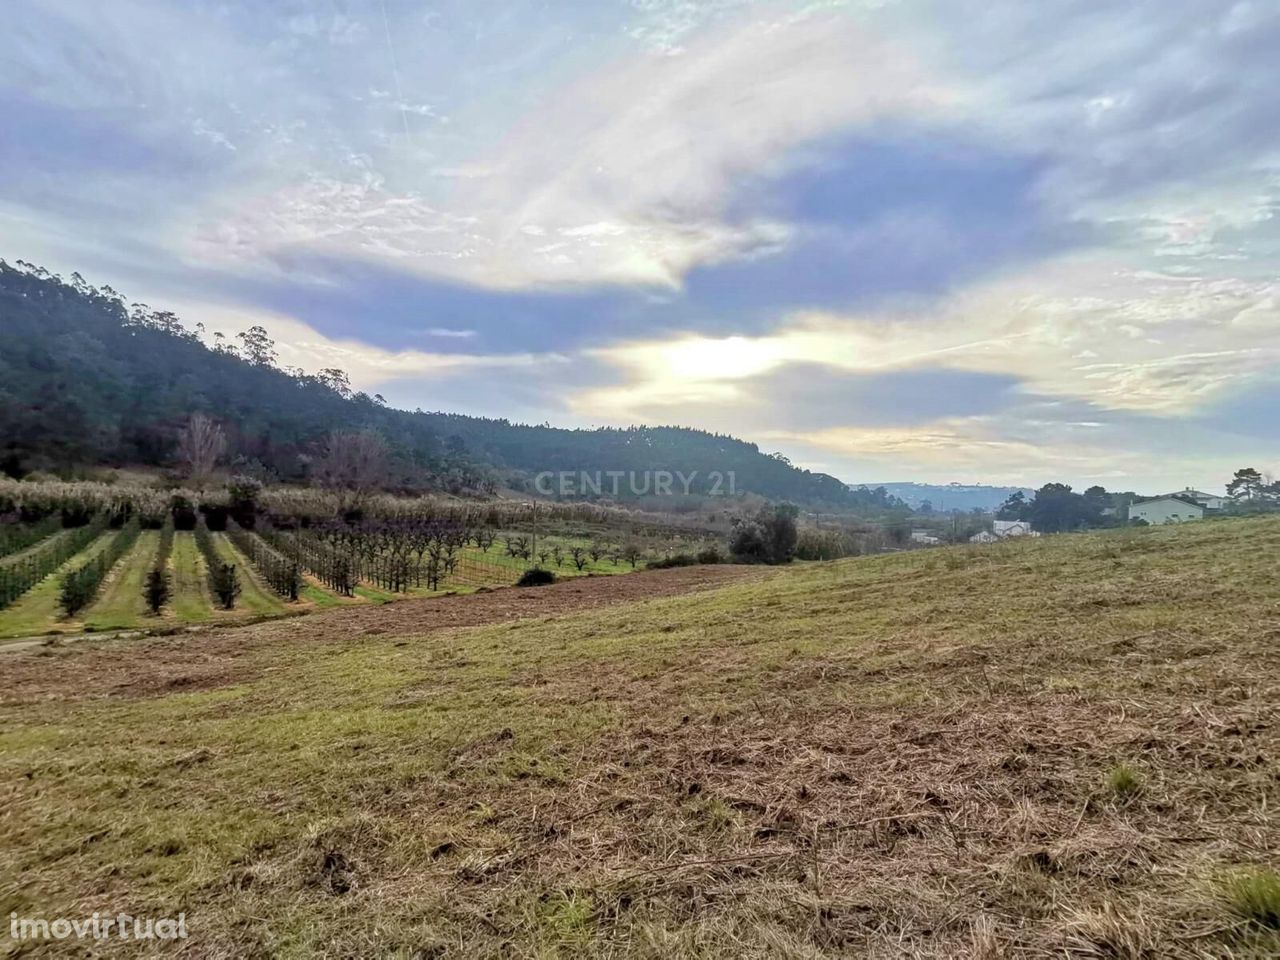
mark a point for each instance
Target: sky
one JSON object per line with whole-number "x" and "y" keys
{"x": 934, "y": 240}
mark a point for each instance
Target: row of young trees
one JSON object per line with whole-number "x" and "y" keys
{"x": 19, "y": 574}
{"x": 224, "y": 581}
{"x": 79, "y": 587}
{"x": 16, "y": 536}
{"x": 281, "y": 574}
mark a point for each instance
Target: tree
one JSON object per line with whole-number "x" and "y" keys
{"x": 1014, "y": 508}
{"x": 1056, "y": 509}
{"x": 770, "y": 537}
{"x": 1247, "y": 484}
{"x": 256, "y": 347}
{"x": 579, "y": 557}
{"x": 201, "y": 444}
{"x": 355, "y": 463}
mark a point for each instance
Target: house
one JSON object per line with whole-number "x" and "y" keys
{"x": 983, "y": 536}
{"x": 1170, "y": 509}
{"x": 1210, "y": 501}
{"x": 1012, "y": 528}
{"x": 924, "y": 537}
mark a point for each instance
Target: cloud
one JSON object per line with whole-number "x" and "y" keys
{"x": 621, "y": 176}
{"x": 1135, "y": 341}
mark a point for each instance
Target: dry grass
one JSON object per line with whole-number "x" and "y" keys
{"x": 1063, "y": 748}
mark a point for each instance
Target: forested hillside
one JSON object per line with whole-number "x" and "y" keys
{"x": 87, "y": 379}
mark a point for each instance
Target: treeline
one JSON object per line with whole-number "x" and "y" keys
{"x": 87, "y": 379}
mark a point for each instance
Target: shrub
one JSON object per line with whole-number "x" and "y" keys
{"x": 813, "y": 544}
{"x": 184, "y": 513}
{"x": 710, "y": 554}
{"x": 536, "y": 577}
{"x": 157, "y": 590}
{"x": 675, "y": 560}
{"x": 224, "y": 582}
{"x": 215, "y": 517}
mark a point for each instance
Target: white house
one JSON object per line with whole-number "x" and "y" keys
{"x": 983, "y": 536}
{"x": 1012, "y": 528}
{"x": 924, "y": 537}
{"x": 1210, "y": 501}
{"x": 1172, "y": 509}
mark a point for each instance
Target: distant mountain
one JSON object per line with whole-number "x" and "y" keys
{"x": 86, "y": 380}
{"x": 951, "y": 496}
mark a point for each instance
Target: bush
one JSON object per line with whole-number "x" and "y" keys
{"x": 537, "y": 577}
{"x": 821, "y": 545}
{"x": 157, "y": 590}
{"x": 710, "y": 554}
{"x": 184, "y": 513}
{"x": 215, "y": 517}
{"x": 675, "y": 560}
{"x": 224, "y": 582}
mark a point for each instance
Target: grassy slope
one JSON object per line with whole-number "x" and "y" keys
{"x": 38, "y": 610}
{"x": 913, "y": 755}
{"x": 120, "y": 603}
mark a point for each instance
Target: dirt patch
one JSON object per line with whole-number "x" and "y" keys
{"x": 99, "y": 668}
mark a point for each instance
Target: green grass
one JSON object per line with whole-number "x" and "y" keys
{"x": 1124, "y": 781}
{"x": 120, "y": 603}
{"x": 859, "y": 758}
{"x": 1255, "y": 896}
{"x": 38, "y": 610}
{"x": 190, "y": 602}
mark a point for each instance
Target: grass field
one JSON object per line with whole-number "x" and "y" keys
{"x": 1055, "y": 748}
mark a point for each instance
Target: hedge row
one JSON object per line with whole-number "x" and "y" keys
{"x": 80, "y": 586}
{"x": 19, "y": 536}
{"x": 17, "y": 576}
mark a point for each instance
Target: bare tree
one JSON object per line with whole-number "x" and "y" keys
{"x": 201, "y": 443}
{"x": 355, "y": 463}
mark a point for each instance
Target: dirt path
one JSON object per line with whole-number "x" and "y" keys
{"x": 96, "y": 667}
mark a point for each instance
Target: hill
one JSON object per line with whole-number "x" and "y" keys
{"x": 953, "y": 496}
{"x": 87, "y": 380}
{"x": 1064, "y": 747}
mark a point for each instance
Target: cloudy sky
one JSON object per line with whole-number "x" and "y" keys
{"x": 894, "y": 239}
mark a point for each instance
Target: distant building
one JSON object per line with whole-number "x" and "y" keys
{"x": 983, "y": 536}
{"x": 924, "y": 537}
{"x": 1210, "y": 501}
{"x": 1170, "y": 509}
{"x": 1012, "y": 528}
